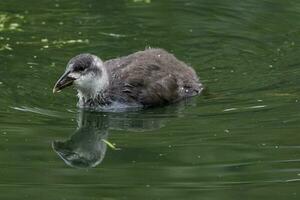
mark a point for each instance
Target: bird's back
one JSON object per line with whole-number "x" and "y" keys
{"x": 151, "y": 77}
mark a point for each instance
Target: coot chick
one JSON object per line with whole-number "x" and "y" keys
{"x": 152, "y": 77}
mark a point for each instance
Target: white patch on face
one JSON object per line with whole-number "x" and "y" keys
{"x": 90, "y": 85}
{"x": 74, "y": 75}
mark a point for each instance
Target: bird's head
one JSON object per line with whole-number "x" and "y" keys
{"x": 86, "y": 72}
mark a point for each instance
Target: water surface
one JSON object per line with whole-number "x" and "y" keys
{"x": 239, "y": 142}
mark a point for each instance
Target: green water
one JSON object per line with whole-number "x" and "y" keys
{"x": 241, "y": 141}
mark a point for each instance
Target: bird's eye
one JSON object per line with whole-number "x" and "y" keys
{"x": 79, "y": 68}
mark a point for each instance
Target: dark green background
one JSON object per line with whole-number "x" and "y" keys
{"x": 239, "y": 142}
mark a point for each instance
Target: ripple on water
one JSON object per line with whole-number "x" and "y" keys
{"x": 40, "y": 111}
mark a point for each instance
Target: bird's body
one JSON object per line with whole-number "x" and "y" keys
{"x": 152, "y": 77}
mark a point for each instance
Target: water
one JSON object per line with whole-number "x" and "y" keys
{"x": 240, "y": 141}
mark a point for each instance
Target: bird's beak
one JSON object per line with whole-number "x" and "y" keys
{"x": 63, "y": 81}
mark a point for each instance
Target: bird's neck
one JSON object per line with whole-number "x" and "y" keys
{"x": 96, "y": 89}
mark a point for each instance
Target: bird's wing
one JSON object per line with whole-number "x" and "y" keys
{"x": 151, "y": 77}
{"x": 153, "y": 89}
{"x": 147, "y": 84}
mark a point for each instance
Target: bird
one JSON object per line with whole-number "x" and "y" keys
{"x": 148, "y": 78}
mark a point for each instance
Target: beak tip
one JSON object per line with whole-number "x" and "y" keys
{"x": 55, "y": 90}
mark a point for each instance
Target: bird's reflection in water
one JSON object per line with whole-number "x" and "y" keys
{"x": 88, "y": 144}
{"x": 85, "y": 148}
